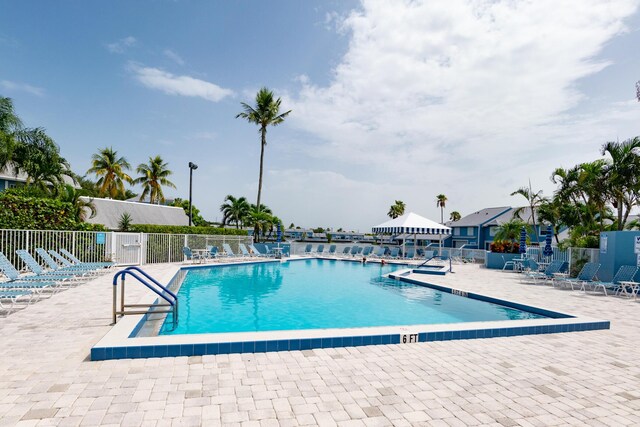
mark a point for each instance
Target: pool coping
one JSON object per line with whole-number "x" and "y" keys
{"x": 119, "y": 342}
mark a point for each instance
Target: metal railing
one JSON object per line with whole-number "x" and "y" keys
{"x": 122, "y": 248}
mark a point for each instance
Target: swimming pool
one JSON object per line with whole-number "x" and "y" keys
{"x": 318, "y": 294}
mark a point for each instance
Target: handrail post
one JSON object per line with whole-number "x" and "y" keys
{"x": 115, "y": 302}
{"x": 122, "y": 293}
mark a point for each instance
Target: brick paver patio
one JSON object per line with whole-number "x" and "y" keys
{"x": 580, "y": 378}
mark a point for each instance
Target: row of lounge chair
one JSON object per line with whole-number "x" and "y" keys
{"x": 382, "y": 252}
{"x": 556, "y": 275}
{"x": 212, "y": 252}
{"x": 62, "y": 270}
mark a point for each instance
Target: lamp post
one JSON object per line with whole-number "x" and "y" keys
{"x": 192, "y": 167}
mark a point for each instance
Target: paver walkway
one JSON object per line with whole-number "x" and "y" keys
{"x": 581, "y": 378}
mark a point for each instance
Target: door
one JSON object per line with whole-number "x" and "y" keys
{"x": 127, "y": 248}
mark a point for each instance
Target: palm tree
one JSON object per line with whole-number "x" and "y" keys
{"x": 111, "y": 172}
{"x": 152, "y": 177}
{"x": 10, "y": 123}
{"x": 234, "y": 210}
{"x": 397, "y": 209}
{"x": 510, "y": 230}
{"x": 81, "y": 207}
{"x": 441, "y": 202}
{"x": 265, "y": 113}
{"x": 261, "y": 222}
{"x": 455, "y": 216}
{"x": 534, "y": 200}
{"x": 622, "y": 176}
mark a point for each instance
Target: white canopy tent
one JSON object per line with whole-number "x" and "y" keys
{"x": 414, "y": 224}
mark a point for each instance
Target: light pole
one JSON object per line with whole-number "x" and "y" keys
{"x": 192, "y": 167}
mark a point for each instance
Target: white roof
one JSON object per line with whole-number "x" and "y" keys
{"x": 412, "y": 223}
{"x": 109, "y": 211}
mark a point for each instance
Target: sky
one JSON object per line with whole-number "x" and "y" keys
{"x": 390, "y": 100}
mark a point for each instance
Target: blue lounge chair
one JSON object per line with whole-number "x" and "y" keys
{"x": 191, "y": 256}
{"x": 308, "y": 249}
{"x": 73, "y": 269}
{"x": 586, "y": 274}
{"x": 332, "y": 250}
{"x": 14, "y": 297}
{"x": 63, "y": 276}
{"x": 394, "y": 252}
{"x": 554, "y": 267}
{"x": 257, "y": 252}
{"x": 410, "y": 253}
{"x": 244, "y": 250}
{"x": 32, "y": 283}
{"x": 379, "y": 252}
{"x": 367, "y": 251}
{"x": 227, "y": 250}
{"x": 319, "y": 249}
{"x": 76, "y": 261}
{"x": 355, "y": 250}
{"x": 346, "y": 250}
{"x": 625, "y": 273}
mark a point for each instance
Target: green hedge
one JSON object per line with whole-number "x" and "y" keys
{"x": 184, "y": 229}
{"x": 34, "y": 213}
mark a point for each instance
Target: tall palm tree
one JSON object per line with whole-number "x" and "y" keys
{"x": 261, "y": 222}
{"x": 81, "y": 207}
{"x": 152, "y": 177}
{"x": 397, "y": 209}
{"x": 234, "y": 210}
{"x": 455, "y": 216}
{"x": 265, "y": 113}
{"x": 10, "y": 123}
{"x": 534, "y": 199}
{"x": 441, "y": 202}
{"x": 110, "y": 170}
{"x": 622, "y": 176}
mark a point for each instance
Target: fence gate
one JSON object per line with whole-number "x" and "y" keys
{"x": 127, "y": 248}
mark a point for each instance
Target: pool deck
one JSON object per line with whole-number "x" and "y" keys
{"x": 578, "y": 378}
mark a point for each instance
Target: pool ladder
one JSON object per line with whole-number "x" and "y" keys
{"x": 438, "y": 257}
{"x": 169, "y": 306}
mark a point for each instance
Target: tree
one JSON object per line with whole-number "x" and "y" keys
{"x": 397, "y": 209}
{"x": 81, "y": 207}
{"x": 265, "y": 113}
{"x": 125, "y": 221}
{"x": 533, "y": 198}
{"x": 152, "y": 177}
{"x": 10, "y": 124}
{"x": 455, "y": 216}
{"x": 441, "y": 202}
{"x": 110, "y": 170}
{"x": 622, "y": 176}
{"x": 510, "y": 230}
{"x": 197, "y": 219}
{"x": 261, "y": 222}
{"x": 234, "y": 210}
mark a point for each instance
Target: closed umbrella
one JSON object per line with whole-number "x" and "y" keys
{"x": 523, "y": 241}
{"x": 548, "y": 250}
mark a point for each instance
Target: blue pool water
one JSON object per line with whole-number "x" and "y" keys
{"x": 315, "y": 294}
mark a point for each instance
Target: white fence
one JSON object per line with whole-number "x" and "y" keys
{"x": 123, "y": 248}
{"x": 576, "y": 257}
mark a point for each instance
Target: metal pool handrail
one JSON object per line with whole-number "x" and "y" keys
{"x": 166, "y": 294}
{"x": 434, "y": 257}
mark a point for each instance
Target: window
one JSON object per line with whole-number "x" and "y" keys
{"x": 470, "y": 231}
{"x": 456, "y": 231}
{"x": 493, "y": 230}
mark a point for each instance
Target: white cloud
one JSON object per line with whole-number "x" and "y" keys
{"x": 21, "y": 87}
{"x": 171, "y": 84}
{"x": 459, "y": 94}
{"x": 121, "y": 45}
{"x": 173, "y": 56}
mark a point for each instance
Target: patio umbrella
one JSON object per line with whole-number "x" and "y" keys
{"x": 279, "y": 233}
{"x": 548, "y": 251}
{"x": 415, "y": 224}
{"x": 523, "y": 241}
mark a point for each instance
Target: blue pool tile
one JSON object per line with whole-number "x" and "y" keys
{"x": 236, "y": 347}
{"x": 248, "y": 347}
{"x": 385, "y": 339}
{"x": 376, "y": 339}
{"x": 502, "y": 332}
{"x": 431, "y": 336}
{"x": 146, "y": 351}
{"x": 133, "y": 352}
{"x": 109, "y": 354}
{"x": 327, "y": 342}
{"x": 119, "y": 352}
{"x": 160, "y": 351}
{"x": 173, "y": 350}
{"x": 260, "y": 347}
{"x": 336, "y": 342}
{"x": 272, "y": 345}
{"x": 199, "y": 349}
{"x": 422, "y": 337}
{"x": 367, "y": 340}
{"x": 347, "y": 341}
{"x": 439, "y": 336}
{"x": 294, "y": 344}
{"x": 395, "y": 339}
{"x": 98, "y": 353}
{"x": 357, "y": 341}
{"x": 473, "y": 334}
{"x": 283, "y": 345}
{"x": 447, "y": 336}
{"x": 186, "y": 350}
{"x": 212, "y": 348}
{"x": 224, "y": 348}
{"x": 316, "y": 343}
{"x": 305, "y": 344}
{"x": 455, "y": 335}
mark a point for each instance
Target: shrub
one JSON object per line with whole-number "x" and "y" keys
{"x": 185, "y": 229}
{"x": 505, "y": 246}
{"x": 34, "y": 213}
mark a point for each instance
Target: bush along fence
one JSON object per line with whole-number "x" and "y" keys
{"x": 123, "y": 248}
